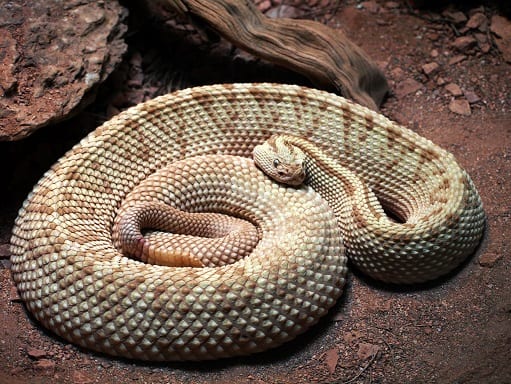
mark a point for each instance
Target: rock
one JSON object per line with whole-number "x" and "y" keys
{"x": 484, "y": 47}
{"x": 14, "y": 295}
{"x": 371, "y": 6}
{"x": 79, "y": 377}
{"x": 463, "y": 43}
{"x": 44, "y": 365}
{"x": 430, "y": 68}
{"x": 407, "y": 87}
{"x": 456, "y": 59}
{"x": 501, "y": 27}
{"x": 383, "y": 22}
{"x": 489, "y": 259}
{"x": 332, "y": 358}
{"x": 391, "y": 5}
{"x": 367, "y": 350}
{"x": 434, "y": 53}
{"x": 454, "y": 89}
{"x": 463, "y": 30}
{"x": 53, "y": 59}
{"x": 397, "y": 73}
{"x": 433, "y": 36}
{"x": 456, "y": 17}
{"x": 354, "y": 335}
{"x": 460, "y": 106}
{"x": 471, "y": 97}
{"x": 482, "y": 42}
{"x": 479, "y": 9}
{"x": 440, "y": 81}
{"x": 478, "y": 20}
{"x": 36, "y": 353}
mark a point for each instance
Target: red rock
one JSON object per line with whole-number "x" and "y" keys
{"x": 456, "y": 17}
{"x": 454, "y": 89}
{"x": 332, "y": 358}
{"x": 352, "y": 336}
{"x": 478, "y": 20}
{"x": 456, "y": 59}
{"x": 471, "y": 97}
{"x": 501, "y": 27}
{"x": 36, "y": 353}
{"x": 463, "y": 43}
{"x": 397, "y": 73}
{"x": 16, "y": 371}
{"x": 367, "y": 350}
{"x": 371, "y": 6}
{"x": 482, "y": 42}
{"x": 79, "y": 377}
{"x": 485, "y": 47}
{"x": 53, "y": 58}
{"x": 406, "y": 87}
{"x": 481, "y": 37}
{"x": 391, "y": 4}
{"x": 383, "y": 22}
{"x": 434, "y": 53}
{"x": 460, "y": 107}
{"x": 440, "y": 81}
{"x": 44, "y": 364}
{"x": 489, "y": 259}
{"x": 430, "y": 68}
{"x": 433, "y": 36}
{"x": 14, "y": 295}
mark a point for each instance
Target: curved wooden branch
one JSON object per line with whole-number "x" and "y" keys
{"x": 324, "y": 55}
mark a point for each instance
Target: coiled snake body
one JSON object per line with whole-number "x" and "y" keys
{"x": 74, "y": 279}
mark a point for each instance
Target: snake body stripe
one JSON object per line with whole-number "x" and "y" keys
{"x": 78, "y": 285}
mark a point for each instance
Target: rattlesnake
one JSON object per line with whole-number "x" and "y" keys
{"x": 76, "y": 282}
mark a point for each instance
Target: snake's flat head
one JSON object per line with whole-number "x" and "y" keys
{"x": 281, "y": 161}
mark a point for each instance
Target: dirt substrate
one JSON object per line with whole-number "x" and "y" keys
{"x": 457, "y": 330}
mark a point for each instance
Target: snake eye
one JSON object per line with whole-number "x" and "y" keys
{"x": 276, "y": 163}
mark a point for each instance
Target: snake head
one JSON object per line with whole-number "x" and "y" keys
{"x": 281, "y": 161}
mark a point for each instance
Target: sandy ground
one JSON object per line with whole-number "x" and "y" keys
{"x": 456, "y": 330}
